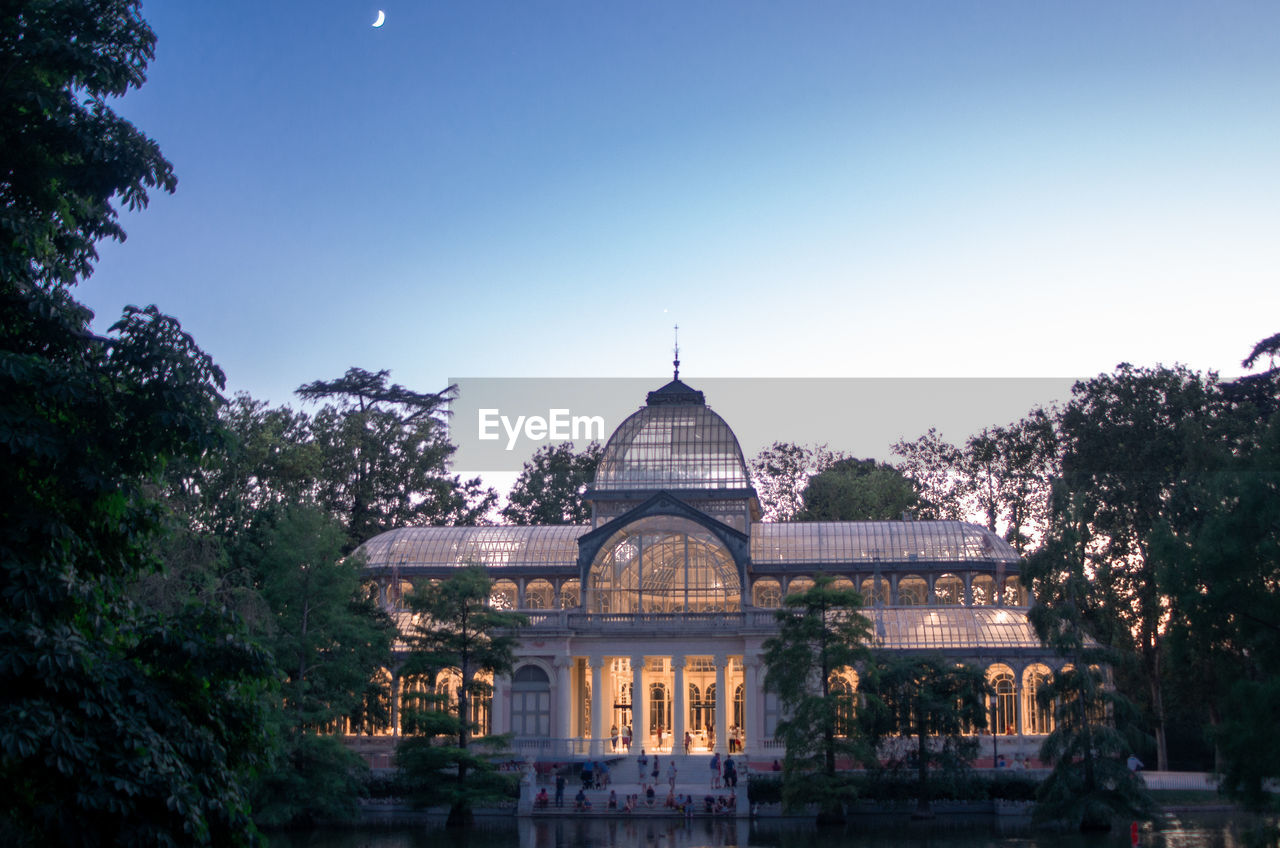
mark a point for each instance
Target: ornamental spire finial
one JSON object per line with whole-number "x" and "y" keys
{"x": 676, "y": 361}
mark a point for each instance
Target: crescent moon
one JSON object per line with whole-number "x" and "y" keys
{"x": 382, "y": 18}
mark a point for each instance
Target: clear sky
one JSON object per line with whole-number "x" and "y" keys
{"x": 542, "y": 188}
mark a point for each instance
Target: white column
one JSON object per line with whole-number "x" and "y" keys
{"x": 564, "y": 699}
{"x": 721, "y": 697}
{"x": 678, "y": 706}
{"x": 639, "y": 719}
{"x": 722, "y": 726}
{"x": 752, "y": 704}
{"x": 598, "y": 700}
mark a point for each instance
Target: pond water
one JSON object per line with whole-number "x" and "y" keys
{"x": 1170, "y": 830}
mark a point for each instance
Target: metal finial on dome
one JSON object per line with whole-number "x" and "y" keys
{"x": 676, "y": 361}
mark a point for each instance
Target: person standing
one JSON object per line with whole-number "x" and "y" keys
{"x": 671, "y": 775}
{"x": 688, "y": 742}
{"x": 730, "y": 773}
{"x": 643, "y": 762}
{"x": 559, "y": 790}
{"x": 715, "y": 771}
{"x": 656, "y": 769}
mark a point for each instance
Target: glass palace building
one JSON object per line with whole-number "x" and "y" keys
{"x": 649, "y": 622}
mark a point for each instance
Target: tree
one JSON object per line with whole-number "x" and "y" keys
{"x": 66, "y": 158}
{"x": 384, "y": 457}
{"x": 822, "y": 634}
{"x": 454, "y": 630}
{"x": 117, "y": 726}
{"x": 1133, "y": 442}
{"x": 934, "y": 466}
{"x": 782, "y": 471}
{"x": 928, "y": 698}
{"x": 1089, "y": 782}
{"x": 549, "y": 489}
{"x": 1007, "y": 471}
{"x": 1225, "y": 615}
{"x": 329, "y": 638}
{"x": 858, "y": 490}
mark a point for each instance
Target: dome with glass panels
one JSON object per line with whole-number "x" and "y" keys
{"x": 675, "y": 442}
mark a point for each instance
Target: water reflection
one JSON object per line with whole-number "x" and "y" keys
{"x": 1227, "y": 830}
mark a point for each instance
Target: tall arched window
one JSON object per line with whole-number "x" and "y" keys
{"x": 842, "y": 691}
{"x": 842, "y": 584}
{"x": 1037, "y": 717}
{"x": 695, "y": 707}
{"x": 1004, "y": 701}
{"x": 739, "y": 706}
{"x": 570, "y": 594}
{"x": 659, "y": 709}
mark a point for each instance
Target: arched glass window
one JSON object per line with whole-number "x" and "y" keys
{"x": 1036, "y": 717}
{"x": 842, "y": 584}
{"x": 664, "y": 564}
{"x": 984, "y": 590}
{"x": 1004, "y": 702}
{"x": 874, "y": 590}
{"x": 1014, "y": 594}
{"x": 570, "y": 594}
{"x": 739, "y": 706}
{"x": 659, "y": 710}
{"x": 842, "y": 688}
{"x": 538, "y": 595}
{"x": 949, "y": 589}
{"x": 912, "y": 591}
{"x": 503, "y": 595}
{"x": 766, "y": 593}
{"x": 799, "y": 584}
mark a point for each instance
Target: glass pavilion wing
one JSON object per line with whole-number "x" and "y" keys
{"x": 952, "y": 628}
{"x": 672, "y": 447}
{"x": 493, "y": 547}
{"x": 870, "y": 541}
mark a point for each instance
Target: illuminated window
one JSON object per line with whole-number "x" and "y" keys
{"x": 664, "y": 564}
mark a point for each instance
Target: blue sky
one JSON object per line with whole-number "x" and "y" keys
{"x": 816, "y": 189}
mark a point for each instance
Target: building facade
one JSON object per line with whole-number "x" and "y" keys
{"x": 648, "y": 624}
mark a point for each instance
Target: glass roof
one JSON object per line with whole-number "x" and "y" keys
{"x": 672, "y": 446}
{"x": 494, "y": 547}
{"x": 939, "y": 628}
{"x": 886, "y": 541}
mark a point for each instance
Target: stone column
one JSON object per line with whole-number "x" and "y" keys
{"x": 678, "y": 706}
{"x": 722, "y": 725}
{"x": 597, "y": 704}
{"x": 563, "y": 703}
{"x": 753, "y": 704}
{"x": 639, "y": 719}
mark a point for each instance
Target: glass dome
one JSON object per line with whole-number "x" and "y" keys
{"x": 675, "y": 442}
{"x": 663, "y": 564}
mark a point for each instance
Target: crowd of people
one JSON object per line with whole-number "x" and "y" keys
{"x": 595, "y": 775}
